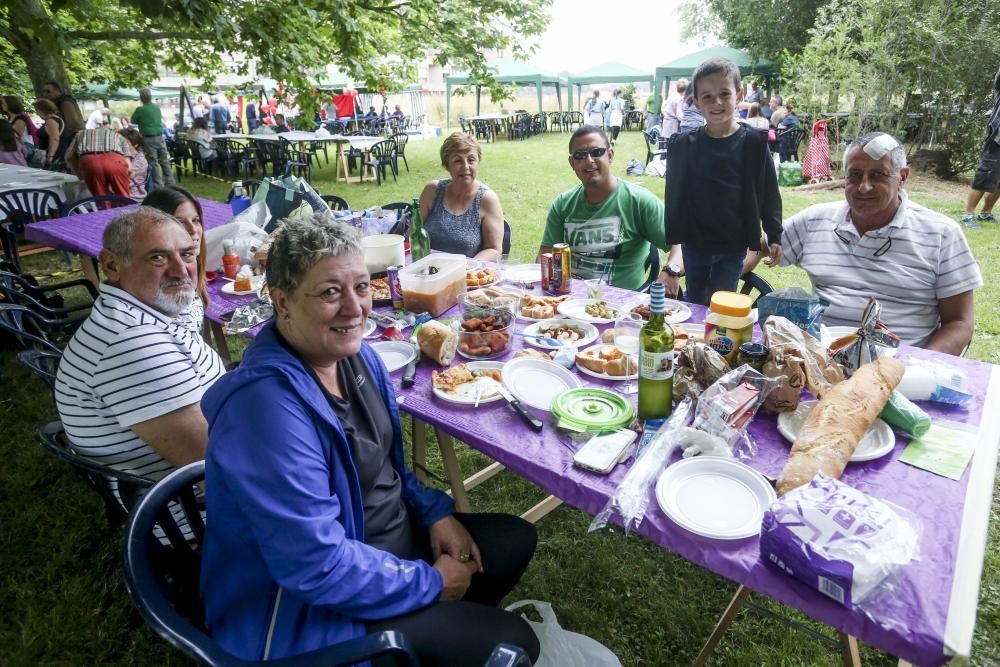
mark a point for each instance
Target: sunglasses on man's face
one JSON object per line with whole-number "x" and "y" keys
{"x": 595, "y": 153}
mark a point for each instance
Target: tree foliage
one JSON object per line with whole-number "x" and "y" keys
{"x": 377, "y": 42}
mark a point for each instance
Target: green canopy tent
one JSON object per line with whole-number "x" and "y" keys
{"x": 509, "y": 72}
{"x": 110, "y": 93}
{"x": 685, "y": 66}
{"x": 610, "y": 72}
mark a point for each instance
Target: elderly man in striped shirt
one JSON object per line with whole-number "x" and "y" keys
{"x": 130, "y": 382}
{"x": 880, "y": 243}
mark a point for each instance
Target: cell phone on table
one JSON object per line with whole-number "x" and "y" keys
{"x": 603, "y": 452}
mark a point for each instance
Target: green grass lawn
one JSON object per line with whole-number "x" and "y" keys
{"x": 62, "y": 599}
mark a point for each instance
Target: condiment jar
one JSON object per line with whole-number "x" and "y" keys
{"x": 753, "y": 354}
{"x": 729, "y": 323}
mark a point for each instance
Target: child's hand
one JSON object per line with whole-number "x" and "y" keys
{"x": 774, "y": 255}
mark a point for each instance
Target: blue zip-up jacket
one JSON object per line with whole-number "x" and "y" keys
{"x": 284, "y": 567}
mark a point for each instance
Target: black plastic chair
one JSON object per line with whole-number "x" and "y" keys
{"x": 401, "y": 139}
{"x": 651, "y": 265}
{"x": 751, "y": 282}
{"x": 33, "y": 331}
{"x": 788, "y": 143}
{"x": 21, "y": 208}
{"x": 380, "y": 157}
{"x": 99, "y": 203}
{"x": 404, "y": 214}
{"x": 573, "y": 118}
{"x": 483, "y": 129}
{"x": 556, "y": 120}
{"x": 98, "y": 476}
{"x": 50, "y": 296}
{"x": 43, "y": 364}
{"x": 650, "y": 151}
{"x": 163, "y": 583}
{"x": 336, "y": 203}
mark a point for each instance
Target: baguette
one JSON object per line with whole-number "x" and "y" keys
{"x": 836, "y": 425}
{"x": 438, "y": 342}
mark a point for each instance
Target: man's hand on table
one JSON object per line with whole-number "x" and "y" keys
{"x": 450, "y": 537}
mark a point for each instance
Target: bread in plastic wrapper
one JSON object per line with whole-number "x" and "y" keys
{"x": 799, "y": 361}
{"x": 867, "y": 344}
{"x": 844, "y": 543}
{"x": 697, "y": 368}
{"x": 798, "y": 306}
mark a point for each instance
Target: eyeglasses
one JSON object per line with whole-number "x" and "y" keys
{"x": 847, "y": 240}
{"x": 595, "y": 153}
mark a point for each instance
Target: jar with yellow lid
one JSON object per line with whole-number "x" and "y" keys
{"x": 729, "y": 323}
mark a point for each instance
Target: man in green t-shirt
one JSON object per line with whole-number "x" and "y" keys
{"x": 653, "y": 107}
{"x": 150, "y": 122}
{"x": 608, "y": 223}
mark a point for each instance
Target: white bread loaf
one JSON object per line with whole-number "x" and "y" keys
{"x": 438, "y": 342}
{"x": 836, "y": 425}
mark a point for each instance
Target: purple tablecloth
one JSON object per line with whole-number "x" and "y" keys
{"x": 932, "y": 615}
{"x": 920, "y": 612}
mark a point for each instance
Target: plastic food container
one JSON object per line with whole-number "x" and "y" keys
{"x": 729, "y": 323}
{"x": 433, "y": 284}
{"x": 487, "y": 332}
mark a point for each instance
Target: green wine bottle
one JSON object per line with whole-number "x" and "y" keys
{"x": 656, "y": 360}
{"x": 420, "y": 240}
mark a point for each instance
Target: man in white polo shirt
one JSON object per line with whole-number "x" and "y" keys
{"x": 130, "y": 382}
{"x": 879, "y": 243}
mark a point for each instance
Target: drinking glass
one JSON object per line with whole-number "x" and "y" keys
{"x": 627, "y": 328}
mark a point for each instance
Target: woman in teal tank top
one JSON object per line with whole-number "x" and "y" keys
{"x": 460, "y": 214}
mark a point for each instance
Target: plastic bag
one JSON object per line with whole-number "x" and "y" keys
{"x": 846, "y": 544}
{"x": 935, "y": 382}
{"x": 865, "y": 345}
{"x": 560, "y": 647}
{"x": 631, "y": 497}
{"x": 634, "y": 168}
{"x": 790, "y": 174}
{"x": 656, "y": 168}
{"x": 798, "y": 306}
{"x": 284, "y": 195}
{"x": 727, "y": 407}
{"x": 800, "y": 361}
{"x": 246, "y": 236}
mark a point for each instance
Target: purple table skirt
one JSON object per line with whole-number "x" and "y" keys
{"x": 913, "y": 627}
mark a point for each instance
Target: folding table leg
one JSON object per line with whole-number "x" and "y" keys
{"x": 722, "y": 625}
{"x": 849, "y": 653}
{"x": 447, "y": 446}
{"x": 419, "y": 431}
{"x": 219, "y": 336}
{"x": 536, "y": 513}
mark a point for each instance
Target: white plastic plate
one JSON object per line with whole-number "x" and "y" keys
{"x": 577, "y": 308}
{"x": 395, "y": 354}
{"x": 533, "y": 334}
{"x": 465, "y": 394}
{"x": 678, "y": 310}
{"x": 255, "y": 283}
{"x": 878, "y": 441}
{"x": 535, "y": 382}
{"x": 369, "y": 328}
{"x": 714, "y": 497}
{"x": 523, "y": 273}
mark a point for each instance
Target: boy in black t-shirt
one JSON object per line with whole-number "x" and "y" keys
{"x": 721, "y": 185}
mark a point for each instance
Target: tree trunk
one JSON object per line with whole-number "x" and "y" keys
{"x": 42, "y": 52}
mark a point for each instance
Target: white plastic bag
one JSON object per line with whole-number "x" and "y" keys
{"x": 247, "y": 237}
{"x": 562, "y": 648}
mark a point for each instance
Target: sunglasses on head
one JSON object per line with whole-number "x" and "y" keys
{"x": 593, "y": 152}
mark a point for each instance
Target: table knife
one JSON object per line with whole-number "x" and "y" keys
{"x": 535, "y": 424}
{"x": 411, "y": 368}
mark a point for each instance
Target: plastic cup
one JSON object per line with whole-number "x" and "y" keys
{"x": 595, "y": 289}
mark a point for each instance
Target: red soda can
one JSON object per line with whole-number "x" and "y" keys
{"x": 562, "y": 268}
{"x": 395, "y": 290}
{"x": 546, "y": 263}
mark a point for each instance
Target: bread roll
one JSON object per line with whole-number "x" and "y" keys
{"x": 438, "y": 342}
{"x": 590, "y": 360}
{"x": 836, "y": 425}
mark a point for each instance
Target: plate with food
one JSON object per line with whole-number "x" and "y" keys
{"x": 607, "y": 362}
{"x": 525, "y": 274}
{"x": 537, "y": 308}
{"x": 241, "y": 288}
{"x": 486, "y": 332}
{"x": 481, "y": 277}
{"x": 590, "y": 310}
{"x": 536, "y": 382}
{"x": 560, "y": 333}
{"x": 395, "y": 354}
{"x": 675, "y": 311}
{"x": 469, "y": 384}
{"x": 380, "y": 292}
{"x": 876, "y": 443}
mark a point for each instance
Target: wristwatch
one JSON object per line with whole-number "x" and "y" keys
{"x": 673, "y": 270}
